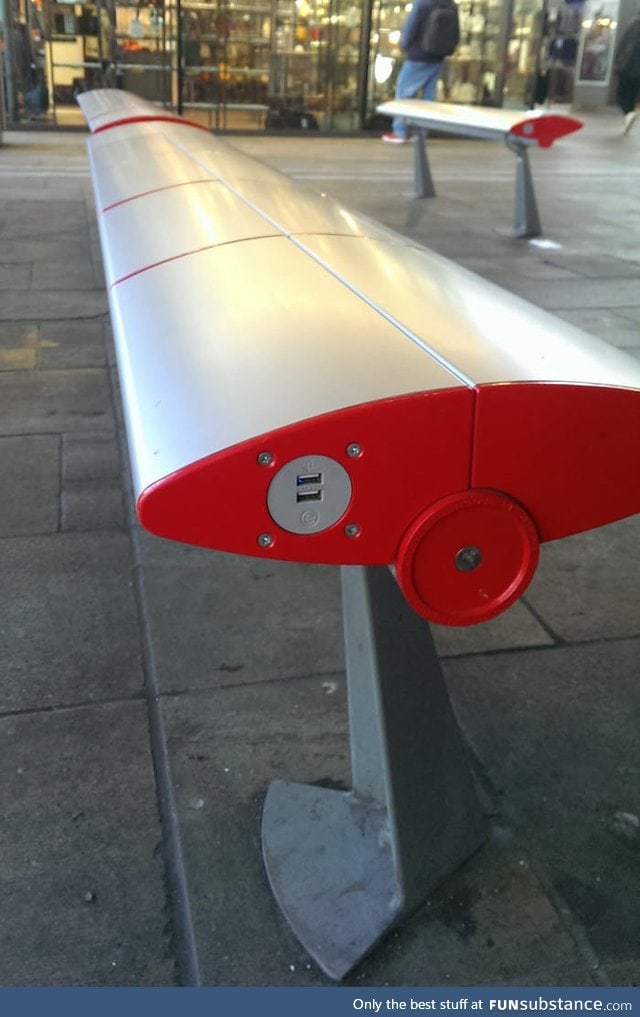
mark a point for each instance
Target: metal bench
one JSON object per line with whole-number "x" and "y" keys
{"x": 299, "y": 383}
{"x": 518, "y": 129}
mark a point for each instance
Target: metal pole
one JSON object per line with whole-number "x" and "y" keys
{"x": 179, "y": 55}
{"x": 363, "y": 63}
{"x": 6, "y": 17}
{"x": 424, "y": 187}
{"x": 526, "y": 221}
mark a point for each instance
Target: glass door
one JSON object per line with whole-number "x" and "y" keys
{"x": 315, "y": 63}
{"x": 522, "y": 54}
{"x": 385, "y": 55}
{"x": 224, "y": 61}
{"x": 471, "y": 74}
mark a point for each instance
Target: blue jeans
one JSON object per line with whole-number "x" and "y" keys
{"x": 415, "y": 77}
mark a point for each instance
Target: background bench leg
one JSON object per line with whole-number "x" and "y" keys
{"x": 526, "y": 221}
{"x": 423, "y": 180}
{"x": 345, "y": 867}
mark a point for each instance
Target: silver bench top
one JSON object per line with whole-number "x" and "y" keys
{"x": 535, "y": 127}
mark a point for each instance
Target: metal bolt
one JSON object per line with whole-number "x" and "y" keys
{"x": 468, "y": 558}
{"x": 351, "y": 530}
{"x": 265, "y": 540}
{"x": 354, "y": 449}
{"x": 265, "y": 458}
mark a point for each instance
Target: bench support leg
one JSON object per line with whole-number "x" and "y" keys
{"x": 346, "y": 866}
{"x": 422, "y": 171}
{"x": 526, "y": 221}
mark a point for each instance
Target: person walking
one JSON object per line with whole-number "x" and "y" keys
{"x": 627, "y": 65}
{"x": 421, "y": 68}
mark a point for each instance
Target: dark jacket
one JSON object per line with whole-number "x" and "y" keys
{"x": 412, "y": 33}
{"x": 627, "y": 60}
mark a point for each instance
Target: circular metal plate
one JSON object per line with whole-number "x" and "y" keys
{"x": 482, "y": 529}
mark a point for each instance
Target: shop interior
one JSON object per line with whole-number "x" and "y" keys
{"x": 285, "y": 64}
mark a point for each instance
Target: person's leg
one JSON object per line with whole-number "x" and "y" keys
{"x": 411, "y": 80}
{"x": 625, "y": 93}
{"x": 622, "y": 94}
{"x": 430, "y": 79}
{"x": 627, "y": 97}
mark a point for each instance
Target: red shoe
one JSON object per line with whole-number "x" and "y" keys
{"x": 394, "y": 139}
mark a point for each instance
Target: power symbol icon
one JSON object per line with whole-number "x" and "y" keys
{"x": 309, "y": 518}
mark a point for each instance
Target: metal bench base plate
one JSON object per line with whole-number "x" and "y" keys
{"x": 345, "y": 867}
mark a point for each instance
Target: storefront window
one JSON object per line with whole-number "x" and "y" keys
{"x": 472, "y": 73}
{"x": 290, "y": 64}
{"x": 315, "y": 62}
{"x": 141, "y": 56}
{"x": 385, "y": 55}
{"x": 224, "y": 62}
{"x": 522, "y": 57}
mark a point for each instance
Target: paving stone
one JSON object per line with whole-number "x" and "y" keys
{"x": 607, "y": 325}
{"x": 70, "y": 344}
{"x": 92, "y": 505}
{"x": 24, "y": 219}
{"x": 55, "y": 401}
{"x": 152, "y": 550}
{"x": 19, "y": 334}
{"x": 90, "y": 457}
{"x": 72, "y": 269}
{"x": 516, "y": 627}
{"x": 21, "y": 190}
{"x": 625, "y": 973}
{"x": 18, "y": 346}
{"x": 242, "y": 620}
{"x": 68, "y": 622}
{"x": 490, "y": 924}
{"x": 79, "y": 821}
{"x": 30, "y": 492}
{"x": 556, "y": 731}
{"x": 14, "y": 276}
{"x": 632, "y": 313}
{"x": 32, "y": 250}
{"x": 595, "y": 266}
{"x": 580, "y": 293}
{"x": 528, "y": 268}
{"x": 42, "y": 305}
{"x": 588, "y": 586}
{"x": 319, "y": 591}
{"x": 17, "y": 359}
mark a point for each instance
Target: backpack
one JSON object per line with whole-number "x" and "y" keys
{"x": 441, "y": 31}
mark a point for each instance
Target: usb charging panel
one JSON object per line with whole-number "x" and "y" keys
{"x": 308, "y": 494}
{"x": 309, "y": 487}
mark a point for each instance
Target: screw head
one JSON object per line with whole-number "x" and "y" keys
{"x": 468, "y": 559}
{"x": 265, "y": 540}
{"x": 351, "y": 530}
{"x": 265, "y": 458}
{"x": 354, "y": 449}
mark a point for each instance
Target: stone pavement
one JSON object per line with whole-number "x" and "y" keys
{"x": 150, "y": 692}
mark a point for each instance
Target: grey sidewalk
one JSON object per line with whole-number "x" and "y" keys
{"x": 150, "y": 692}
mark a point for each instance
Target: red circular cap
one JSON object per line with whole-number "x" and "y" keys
{"x": 467, "y": 558}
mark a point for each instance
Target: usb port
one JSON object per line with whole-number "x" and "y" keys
{"x": 308, "y": 496}
{"x": 308, "y": 478}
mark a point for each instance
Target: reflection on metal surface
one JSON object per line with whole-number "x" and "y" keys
{"x": 479, "y": 329}
{"x": 167, "y": 224}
